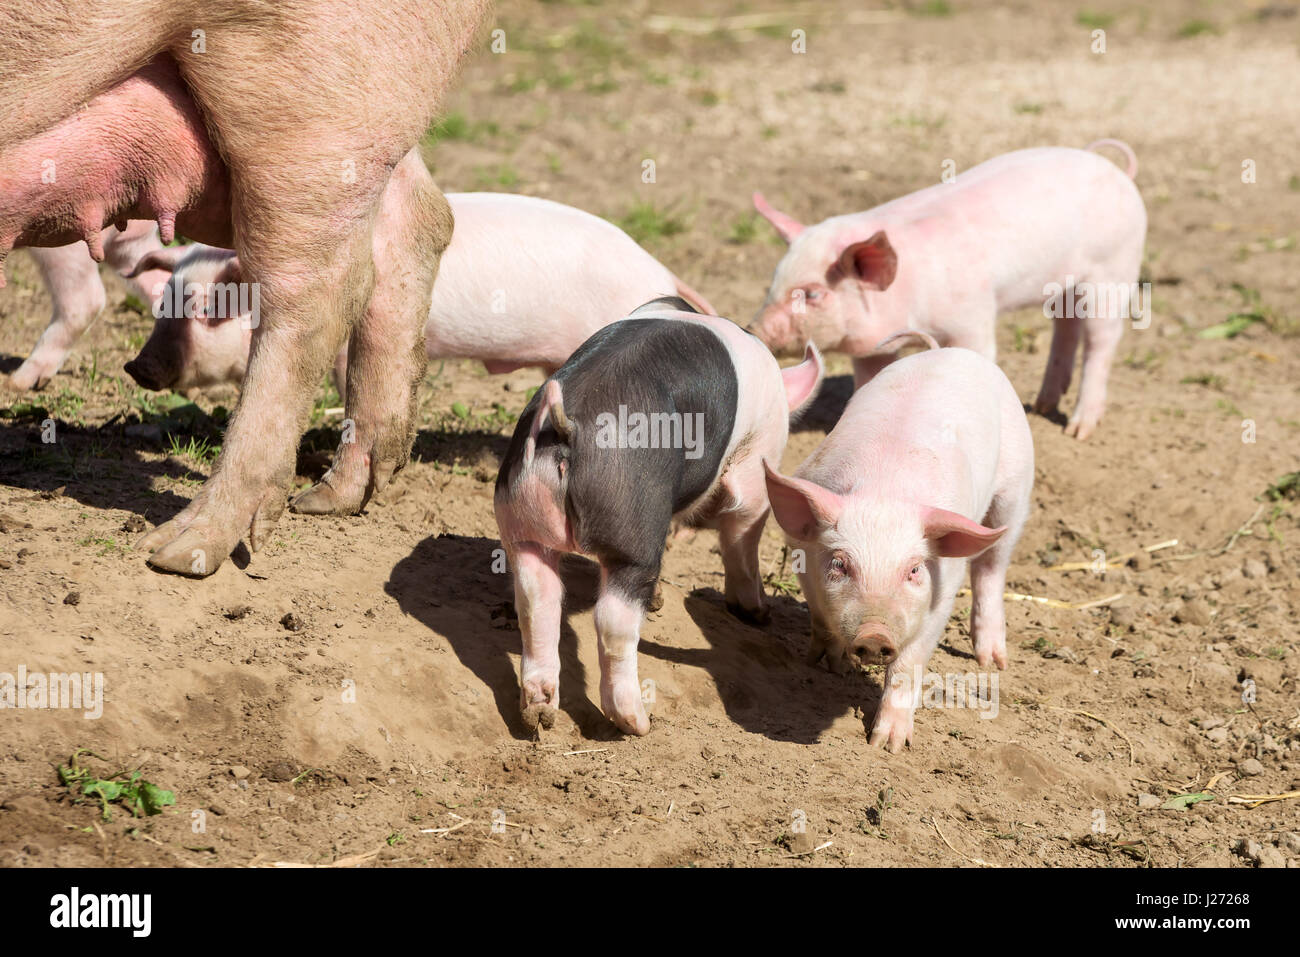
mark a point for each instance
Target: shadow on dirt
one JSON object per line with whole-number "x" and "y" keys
{"x": 448, "y": 584}
{"x": 762, "y": 680}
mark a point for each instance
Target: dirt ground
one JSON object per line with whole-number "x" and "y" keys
{"x": 350, "y": 693}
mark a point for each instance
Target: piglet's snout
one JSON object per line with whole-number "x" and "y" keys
{"x": 874, "y": 641}
{"x": 144, "y": 373}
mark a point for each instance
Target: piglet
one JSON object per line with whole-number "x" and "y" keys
{"x": 524, "y": 282}
{"x": 1033, "y": 227}
{"x": 204, "y": 316}
{"x": 930, "y": 466}
{"x": 664, "y": 415}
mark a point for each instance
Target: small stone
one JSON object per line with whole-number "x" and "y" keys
{"x": 1254, "y": 568}
{"x": 1248, "y": 848}
{"x": 1217, "y": 736}
{"x": 1141, "y": 561}
{"x": 134, "y": 523}
{"x": 238, "y": 612}
{"x": 72, "y": 598}
{"x": 239, "y": 772}
{"x": 281, "y": 771}
{"x": 1148, "y": 801}
{"x": 1207, "y": 724}
{"x": 1123, "y": 616}
{"x": 1290, "y": 842}
{"x": 1250, "y": 767}
{"x": 1194, "y": 611}
{"x": 217, "y": 809}
{"x": 1271, "y": 857}
{"x": 292, "y": 622}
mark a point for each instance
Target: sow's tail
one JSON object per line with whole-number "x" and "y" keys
{"x": 901, "y": 340}
{"x": 1124, "y": 148}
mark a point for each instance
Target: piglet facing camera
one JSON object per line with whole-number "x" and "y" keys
{"x": 929, "y": 469}
{"x": 665, "y": 415}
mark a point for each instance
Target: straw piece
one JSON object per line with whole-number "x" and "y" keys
{"x": 1255, "y": 800}
{"x": 1110, "y": 562}
{"x": 973, "y": 860}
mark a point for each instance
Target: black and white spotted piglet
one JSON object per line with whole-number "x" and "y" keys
{"x": 665, "y": 415}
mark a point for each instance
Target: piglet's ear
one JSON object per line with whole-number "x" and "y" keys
{"x": 802, "y": 508}
{"x": 164, "y": 259}
{"x": 872, "y": 261}
{"x": 230, "y": 272}
{"x": 787, "y": 226}
{"x": 956, "y": 536}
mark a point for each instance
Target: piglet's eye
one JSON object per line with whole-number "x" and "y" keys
{"x": 914, "y": 574}
{"x": 838, "y": 567}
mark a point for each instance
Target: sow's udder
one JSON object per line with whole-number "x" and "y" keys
{"x": 136, "y": 151}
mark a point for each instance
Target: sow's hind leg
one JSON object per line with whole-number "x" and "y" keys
{"x": 386, "y": 357}
{"x": 308, "y": 169}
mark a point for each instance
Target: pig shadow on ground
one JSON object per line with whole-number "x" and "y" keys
{"x": 1056, "y": 417}
{"x": 762, "y": 679}
{"x": 478, "y": 450}
{"x": 101, "y": 468}
{"x": 448, "y": 584}
{"x": 826, "y": 409}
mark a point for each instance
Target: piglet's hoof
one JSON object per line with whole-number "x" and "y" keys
{"x": 657, "y": 599}
{"x": 621, "y": 703}
{"x": 758, "y": 617}
{"x": 538, "y": 703}
{"x": 538, "y": 716}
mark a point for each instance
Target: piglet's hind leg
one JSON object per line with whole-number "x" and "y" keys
{"x": 539, "y": 595}
{"x": 620, "y": 609}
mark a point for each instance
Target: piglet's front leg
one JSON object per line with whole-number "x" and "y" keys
{"x": 894, "y": 720}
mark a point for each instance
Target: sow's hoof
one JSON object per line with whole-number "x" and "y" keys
{"x": 324, "y": 499}
{"x": 758, "y": 618}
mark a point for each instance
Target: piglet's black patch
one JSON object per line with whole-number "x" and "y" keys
{"x": 679, "y": 378}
